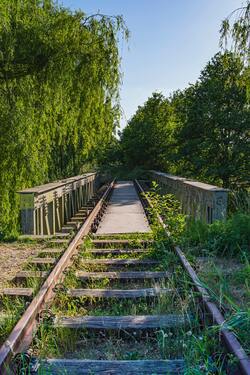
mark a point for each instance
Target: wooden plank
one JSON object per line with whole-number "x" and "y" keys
{"x": 37, "y": 237}
{"x": 68, "y": 229}
{"x": 121, "y": 322}
{"x": 69, "y": 225}
{"x": 121, "y": 262}
{"x": 42, "y": 261}
{"x": 119, "y": 293}
{"x": 31, "y": 274}
{"x": 59, "y": 241}
{"x": 77, "y": 218}
{"x": 136, "y": 275}
{"x": 18, "y": 292}
{"x": 61, "y": 235}
{"x": 51, "y": 251}
{"x": 115, "y": 251}
{"x": 120, "y": 242}
{"x": 102, "y": 367}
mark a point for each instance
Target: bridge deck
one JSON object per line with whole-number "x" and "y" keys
{"x": 125, "y": 213}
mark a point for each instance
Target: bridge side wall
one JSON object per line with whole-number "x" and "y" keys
{"x": 46, "y": 208}
{"x": 200, "y": 201}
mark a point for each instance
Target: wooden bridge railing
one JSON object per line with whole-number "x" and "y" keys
{"x": 45, "y": 208}
{"x": 199, "y": 200}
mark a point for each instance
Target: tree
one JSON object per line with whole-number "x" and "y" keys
{"x": 59, "y": 102}
{"x": 146, "y": 140}
{"x": 237, "y": 27}
{"x": 214, "y": 136}
{"x": 201, "y": 132}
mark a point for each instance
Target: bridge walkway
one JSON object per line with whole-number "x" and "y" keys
{"x": 125, "y": 213}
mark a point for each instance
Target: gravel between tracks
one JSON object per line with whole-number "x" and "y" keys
{"x": 13, "y": 256}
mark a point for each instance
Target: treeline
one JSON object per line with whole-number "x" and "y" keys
{"x": 201, "y": 132}
{"x": 59, "y": 79}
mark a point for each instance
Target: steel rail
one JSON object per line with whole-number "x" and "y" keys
{"x": 230, "y": 340}
{"x": 21, "y": 335}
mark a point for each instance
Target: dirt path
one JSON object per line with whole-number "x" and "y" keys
{"x": 13, "y": 256}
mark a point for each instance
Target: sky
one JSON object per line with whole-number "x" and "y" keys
{"x": 170, "y": 43}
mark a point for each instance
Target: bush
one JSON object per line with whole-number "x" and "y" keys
{"x": 229, "y": 237}
{"x": 169, "y": 209}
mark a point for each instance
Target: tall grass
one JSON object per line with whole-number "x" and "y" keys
{"x": 231, "y": 237}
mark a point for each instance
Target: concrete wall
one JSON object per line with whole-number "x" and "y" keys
{"x": 198, "y": 200}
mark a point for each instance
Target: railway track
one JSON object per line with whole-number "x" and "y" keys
{"x": 115, "y": 304}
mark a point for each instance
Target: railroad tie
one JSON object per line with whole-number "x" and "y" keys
{"x": 132, "y": 275}
{"x": 42, "y": 261}
{"x": 118, "y": 293}
{"x": 51, "y": 251}
{"x": 122, "y": 367}
{"x": 122, "y": 322}
{"x": 18, "y": 292}
{"x": 24, "y": 275}
{"x": 68, "y": 229}
{"x": 121, "y": 262}
{"x": 116, "y": 251}
{"x": 117, "y": 242}
{"x": 59, "y": 241}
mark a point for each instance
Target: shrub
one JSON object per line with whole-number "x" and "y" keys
{"x": 229, "y": 237}
{"x": 169, "y": 208}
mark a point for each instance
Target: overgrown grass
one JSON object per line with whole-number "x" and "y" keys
{"x": 197, "y": 345}
{"x": 227, "y": 242}
{"x": 11, "y": 310}
{"x": 231, "y": 238}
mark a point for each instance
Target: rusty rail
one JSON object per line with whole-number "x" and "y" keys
{"x": 21, "y": 335}
{"x": 230, "y": 340}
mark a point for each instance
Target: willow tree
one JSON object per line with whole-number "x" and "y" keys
{"x": 59, "y": 103}
{"x": 236, "y": 28}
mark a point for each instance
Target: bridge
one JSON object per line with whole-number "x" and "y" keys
{"x": 58, "y": 206}
{"x": 100, "y": 254}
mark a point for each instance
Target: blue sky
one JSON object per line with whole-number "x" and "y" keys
{"x": 171, "y": 41}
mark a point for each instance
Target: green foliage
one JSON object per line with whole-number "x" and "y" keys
{"x": 201, "y": 132}
{"x": 231, "y": 237}
{"x": 146, "y": 139}
{"x": 239, "y": 200}
{"x": 59, "y": 80}
{"x": 169, "y": 209}
{"x": 213, "y": 135}
{"x": 237, "y": 27}
{"x": 243, "y": 276}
